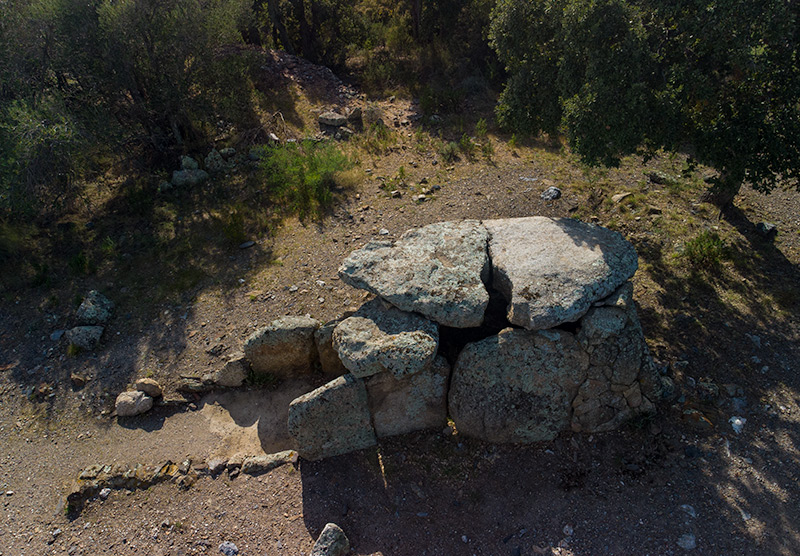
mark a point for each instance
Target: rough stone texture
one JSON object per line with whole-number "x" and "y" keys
{"x": 619, "y": 365}
{"x": 257, "y": 465}
{"x": 411, "y": 404}
{"x": 85, "y": 337}
{"x": 517, "y": 386}
{"x": 332, "y": 420}
{"x": 149, "y": 387}
{"x": 552, "y": 269}
{"x": 332, "y": 119}
{"x": 438, "y": 271}
{"x": 188, "y": 163}
{"x": 379, "y": 338}
{"x": 133, "y": 403}
{"x": 215, "y": 163}
{"x": 95, "y": 309}
{"x": 284, "y": 348}
{"x": 329, "y": 361}
{"x": 183, "y": 178}
{"x": 232, "y": 374}
{"x": 331, "y": 542}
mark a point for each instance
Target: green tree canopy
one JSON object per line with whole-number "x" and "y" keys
{"x": 716, "y": 80}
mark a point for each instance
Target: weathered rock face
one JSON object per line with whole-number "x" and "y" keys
{"x": 552, "y": 269}
{"x": 133, "y": 403}
{"x": 284, "y": 348}
{"x": 438, "y": 271}
{"x": 215, "y": 163}
{"x": 85, "y": 337}
{"x": 612, "y": 336}
{"x": 149, "y": 387}
{"x": 414, "y": 403}
{"x": 332, "y": 420}
{"x": 329, "y": 361}
{"x": 332, "y": 119}
{"x": 517, "y": 386}
{"x": 381, "y": 338}
{"x": 189, "y": 178}
{"x": 232, "y": 374}
{"x": 331, "y": 542}
{"x": 95, "y": 309}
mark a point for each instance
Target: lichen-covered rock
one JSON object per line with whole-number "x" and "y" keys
{"x": 517, "y": 386}
{"x": 381, "y": 338}
{"x": 188, "y": 163}
{"x": 329, "y": 361}
{"x": 190, "y": 178}
{"x": 438, "y": 271}
{"x": 149, "y": 387}
{"x": 551, "y": 270}
{"x": 257, "y": 465}
{"x": 283, "y": 348}
{"x": 232, "y": 374}
{"x": 332, "y": 420}
{"x": 331, "y": 542}
{"x": 85, "y": 337}
{"x": 332, "y": 119}
{"x": 215, "y": 163}
{"x": 95, "y": 309}
{"x": 411, "y": 404}
{"x": 133, "y": 403}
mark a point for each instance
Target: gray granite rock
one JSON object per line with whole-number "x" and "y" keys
{"x": 329, "y": 361}
{"x": 551, "y": 270}
{"x": 331, "y": 542}
{"x": 414, "y": 403}
{"x": 232, "y": 374}
{"x": 188, "y": 163}
{"x": 215, "y": 163}
{"x": 85, "y": 337}
{"x": 381, "y": 338}
{"x": 517, "y": 386}
{"x": 332, "y": 119}
{"x": 133, "y": 403}
{"x": 284, "y": 348}
{"x": 332, "y": 420}
{"x": 438, "y": 271}
{"x": 95, "y": 309}
{"x": 190, "y": 178}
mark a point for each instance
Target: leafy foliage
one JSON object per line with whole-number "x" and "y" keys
{"x": 719, "y": 81}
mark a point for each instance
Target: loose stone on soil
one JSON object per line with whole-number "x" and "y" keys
{"x": 228, "y": 549}
{"x": 331, "y": 542}
{"x": 130, "y": 404}
{"x": 149, "y": 387}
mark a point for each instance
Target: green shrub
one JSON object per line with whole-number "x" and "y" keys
{"x": 301, "y": 177}
{"x": 705, "y": 251}
{"x": 449, "y": 151}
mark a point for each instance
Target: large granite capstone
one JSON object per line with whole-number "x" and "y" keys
{"x": 438, "y": 271}
{"x": 551, "y": 270}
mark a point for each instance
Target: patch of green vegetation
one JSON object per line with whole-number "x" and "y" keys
{"x": 449, "y": 152}
{"x": 263, "y": 380}
{"x": 301, "y": 178}
{"x": 377, "y": 139}
{"x": 705, "y": 251}
{"x": 467, "y": 146}
{"x": 73, "y": 350}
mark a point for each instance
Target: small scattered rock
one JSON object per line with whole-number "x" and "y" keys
{"x": 767, "y": 230}
{"x": 257, "y": 465}
{"x": 737, "y": 423}
{"x": 228, "y": 548}
{"x": 95, "y": 309}
{"x": 332, "y": 119}
{"x": 551, "y": 194}
{"x": 217, "y": 466}
{"x": 133, "y": 403}
{"x": 396, "y": 194}
{"x": 232, "y": 374}
{"x": 247, "y": 244}
{"x": 215, "y": 163}
{"x": 331, "y": 542}
{"x": 188, "y": 163}
{"x": 227, "y": 152}
{"x": 619, "y": 197}
{"x": 689, "y": 510}
{"x": 57, "y": 335}
{"x": 77, "y": 380}
{"x": 149, "y": 387}
{"x": 190, "y": 178}
{"x": 687, "y": 541}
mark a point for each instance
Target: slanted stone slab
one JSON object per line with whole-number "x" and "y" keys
{"x": 438, "y": 271}
{"x": 517, "y": 386}
{"x": 411, "y": 404}
{"x": 380, "y": 338}
{"x": 284, "y": 348}
{"x": 332, "y": 420}
{"x": 551, "y": 270}
{"x": 329, "y": 361}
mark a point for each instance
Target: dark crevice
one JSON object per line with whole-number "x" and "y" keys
{"x": 453, "y": 340}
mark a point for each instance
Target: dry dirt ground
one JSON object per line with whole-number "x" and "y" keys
{"x": 726, "y": 330}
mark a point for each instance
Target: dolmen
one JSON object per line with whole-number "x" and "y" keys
{"x": 516, "y": 329}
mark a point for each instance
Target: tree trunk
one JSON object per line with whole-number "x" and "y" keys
{"x": 722, "y": 191}
{"x": 276, "y": 18}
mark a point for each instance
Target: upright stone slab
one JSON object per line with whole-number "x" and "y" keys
{"x": 332, "y": 420}
{"x": 551, "y": 270}
{"x": 438, "y": 271}
{"x": 329, "y": 361}
{"x": 284, "y": 348}
{"x": 517, "y": 386}
{"x": 380, "y": 338}
{"x": 414, "y": 403}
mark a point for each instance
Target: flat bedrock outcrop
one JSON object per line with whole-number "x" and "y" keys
{"x": 438, "y": 270}
{"x": 551, "y": 270}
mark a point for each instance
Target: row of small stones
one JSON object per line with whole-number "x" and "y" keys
{"x": 100, "y": 480}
